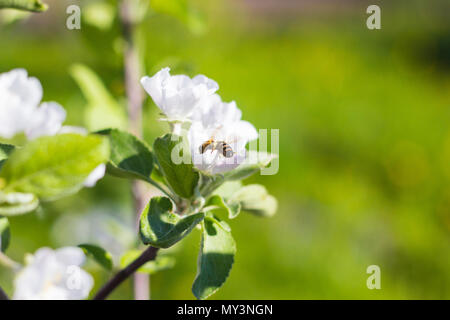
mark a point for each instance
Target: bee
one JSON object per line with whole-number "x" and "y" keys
{"x": 221, "y": 146}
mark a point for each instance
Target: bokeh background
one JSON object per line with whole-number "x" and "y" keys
{"x": 364, "y": 139}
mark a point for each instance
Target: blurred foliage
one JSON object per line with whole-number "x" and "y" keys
{"x": 364, "y": 140}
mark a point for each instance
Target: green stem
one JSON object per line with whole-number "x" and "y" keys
{"x": 162, "y": 189}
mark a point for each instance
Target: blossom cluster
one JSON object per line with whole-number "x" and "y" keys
{"x": 194, "y": 101}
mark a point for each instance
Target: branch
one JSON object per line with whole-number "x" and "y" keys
{"x": 135, "y": 98}
{"x": 3, "y": 295}
{"x": 148, "y": 255}
{"x": 27, "y": 5}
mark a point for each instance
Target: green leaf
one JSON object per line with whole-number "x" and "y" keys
{"x": 255, "y": 199}
{"x": 215, "y": 259}
{"x": 159, "y": 264}
{"x": 227, "y": 189}
{"x": 254, "y": 162}
{"x": 27, "y": 5}
{"x": 102, "y": 111}
{"x": 14, "y": 203}
{"x": 129, "y": 157}
{"x": 181, "y": 176}
{"x": 5, "y": 150}
{"x": 100, "y": 255}
{"x": 51, "y": 167}
{"x": 231, "y": 208}
{"x": 161, "y": 228}
{"x": 4, "y": 234}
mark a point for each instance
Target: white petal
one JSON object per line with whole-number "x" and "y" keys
{"x": 19, "y": 97}
{"x": 54, "y": 275}
{"x": 86, "y": 282}
{"x": 17, "y": 83}
{"x": 47, "y": 120}
{"x": 211, "y": 85}
{"x": 70, "y": 256}
{"x": 153, "y": 85}
{"x": 245, "y": 131}
{"x": 178, "y": 96}
{"x": 95, "y": 175}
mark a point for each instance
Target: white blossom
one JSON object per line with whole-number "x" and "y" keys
{"x": 54, "y": 275}
{"x": 20, "y": 96}
{"x": 236, "y": 134}
{"x": 178, "y": 96}
{"x": 21, "y": 111}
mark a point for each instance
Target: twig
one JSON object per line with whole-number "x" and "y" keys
{"x": 135, "y": 98}
{"x": 148, "y": 255}
{"x": 3, "y": 295}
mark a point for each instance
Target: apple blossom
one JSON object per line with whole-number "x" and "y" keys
{"x": 235, "y": 134}
{"x": 221, "y": 121}
{"x": 178, "y": 96}
{"x": 54, "y": 275}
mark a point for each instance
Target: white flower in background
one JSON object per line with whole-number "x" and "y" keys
{"x": 19, "y": 107}
{"x": 178, "y": 96}
{"x": 20, "y": 111}
{"x": 47, "y": 121}
{"x": 54, "y": 275}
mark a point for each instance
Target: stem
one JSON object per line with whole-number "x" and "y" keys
{"x": 163, "y": 190}
{"x": 3, "y": 295}
{"x": 135, "y": 98}
{"x": 148, "y": 255}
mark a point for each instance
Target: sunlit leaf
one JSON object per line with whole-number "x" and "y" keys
{"x": 231, "y": 208}
{"x": 255, "y": 199}
{"x": 162, "y": 228}
{"x": 215, "y": 259}
{"x": 100, "y": 255}
{"x": 129, "y": 156}
{"x": 51, "y": 167}
{"x": 181, "y": 176}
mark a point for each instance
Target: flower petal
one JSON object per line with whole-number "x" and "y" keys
{"x": 95, "y": 175}
{"x": 47, "y": 120}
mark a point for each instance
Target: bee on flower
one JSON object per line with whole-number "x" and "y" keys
{"x": 217, "y": 135}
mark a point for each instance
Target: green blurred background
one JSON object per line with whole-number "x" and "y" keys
{"x": 364, "y": 139}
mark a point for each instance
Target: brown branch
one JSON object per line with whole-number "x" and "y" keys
{"x": 135, "y": 98}
{"x": 3, "y": 295}
{"x": 148, "y": 255}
